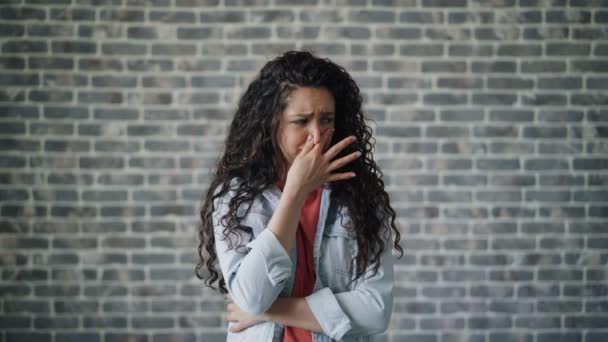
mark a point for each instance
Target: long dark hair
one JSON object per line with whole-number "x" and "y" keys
{"x": 252, "y": 155}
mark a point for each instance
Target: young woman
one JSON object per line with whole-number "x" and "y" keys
{"x": 296, "y": 213}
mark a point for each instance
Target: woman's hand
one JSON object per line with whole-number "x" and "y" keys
{"x": 244, "y": 319}
{"x": 311, "y": 167}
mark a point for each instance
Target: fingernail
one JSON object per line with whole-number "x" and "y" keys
{"x": 309, "y": 139}
{"x": 353, "y": 174}
{"x": 358, "y": 154}
{"x": 353, "y": 139}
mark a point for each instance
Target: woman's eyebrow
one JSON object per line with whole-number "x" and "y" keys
{"x": 309, "y": 114}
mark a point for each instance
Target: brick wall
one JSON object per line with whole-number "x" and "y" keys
{"x": 491, "y": 122}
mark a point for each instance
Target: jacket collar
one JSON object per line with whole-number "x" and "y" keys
{"x": 273, "y": 195}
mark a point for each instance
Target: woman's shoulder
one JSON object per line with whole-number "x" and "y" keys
{"x": 230, "y": 189}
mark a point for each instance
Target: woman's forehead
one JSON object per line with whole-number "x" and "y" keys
{"x": 307, "y": 100}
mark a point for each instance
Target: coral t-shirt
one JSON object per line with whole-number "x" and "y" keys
{"x": 305, "y": 276}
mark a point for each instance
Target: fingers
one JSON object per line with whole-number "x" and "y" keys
{"x": 336, "y": 164}
{"x": 323, "y": 140}
{"x": 308, "y": 146}
{"x": 326, "y": 136}
{"x": 340, "y": 176}
{"x": 342, "y": 144}
{"x": 237, "y": 327}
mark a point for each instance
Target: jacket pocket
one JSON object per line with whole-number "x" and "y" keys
{"x": 340, "y": 248}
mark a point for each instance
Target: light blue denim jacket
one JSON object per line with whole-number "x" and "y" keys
{"x": 259, "y": 272}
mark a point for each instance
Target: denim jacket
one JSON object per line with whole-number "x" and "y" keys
{"x": 261, "y": 270}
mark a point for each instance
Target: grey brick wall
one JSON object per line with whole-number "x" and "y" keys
{"x": 491, "y": 120}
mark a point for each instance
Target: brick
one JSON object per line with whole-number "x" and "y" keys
{"x": 443, "y": 3}
{"x": 174, "y": 337}
{"x": 504, "y": 337}
{"x": 499, "y": 291}
{"x": 538, "y": 290}
{"x": 589, "y": 322}
{"x": 460, "y": 83}
{"x": 569, "y": 16}
{"x": 572, "y": 212}
{"x": 421, "y": 50}
{"x": 51, "y": 63}
{"x": 440, "y": 66}
{"x": 454, "y": 337}
{"x": 55, "y": 322}
{"x": 421, "y": 17}
{"x": 499, "y": 34}
{"x": 22, "y": 13}
{"x": 444, "y": 99}
{"x": 595, "y": 66}
{"x": 28, "y": 336}
{"x": 495, "y": 131}
{"x": 75, "y": 337}
{"x": 222, "y": 16}
{"x": 204, "y": 3}
{"x": 19, "y": 80}
{"x": 543, "y": 33}
{"x": 447, "y": 34}
{"x": 11, "y": 30}
{"x": 457, "y": 17}
{"x": 493, "y": 99}
{"x": 447, "y": 132}
{"x": 589, "y": 164}
{"x": 588, "y": 99}
{"x": 519, "y": 50}
{"x": 173, "y": 17}
{"x": 125, "y": 337}
{"x": 405, "y": 33}
{"x": 509, "y": 83}
{"x": 465, "y": 50}
{"x": 27, "y": 306}
{"x": 561, "y": 337}
{"x": 543, "y": 67}
{"x": 461, "y": 115}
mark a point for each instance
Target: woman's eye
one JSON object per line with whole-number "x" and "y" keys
{"x": 300, "y": 122}
{"x": 328, "y": 120}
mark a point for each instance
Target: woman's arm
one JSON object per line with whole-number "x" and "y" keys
{"x": 288, "y": 311}
{"x": 293, "y": 312}
{"x": 256, "y": 278}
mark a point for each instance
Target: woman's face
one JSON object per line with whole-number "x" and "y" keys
{"x": 309, "y": 111}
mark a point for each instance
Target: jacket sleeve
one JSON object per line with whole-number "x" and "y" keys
{"x": 365, "y": 310}
{"x": 256, "y": 273}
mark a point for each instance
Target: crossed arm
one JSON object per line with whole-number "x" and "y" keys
{"x": 288, "y": 311}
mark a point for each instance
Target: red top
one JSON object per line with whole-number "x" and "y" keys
{"x": 305, "y": 277}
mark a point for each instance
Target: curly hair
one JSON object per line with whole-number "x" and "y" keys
{"x": 252, "y": 155}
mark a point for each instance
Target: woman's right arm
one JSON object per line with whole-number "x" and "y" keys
{"x": 255, "y": 278}
{"x": 256, "y": 274}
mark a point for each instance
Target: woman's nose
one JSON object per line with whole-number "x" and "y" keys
{"x": 315, "y": 131}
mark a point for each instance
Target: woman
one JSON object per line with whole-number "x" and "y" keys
{"x": 296, "y": 213}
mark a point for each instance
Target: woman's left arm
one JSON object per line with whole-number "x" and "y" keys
{"x": 365, "y": 310}
{"x": 288, "y": 311}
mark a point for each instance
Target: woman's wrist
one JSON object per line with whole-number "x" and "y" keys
{"x": 295, "y": 196}
{"x": 274, "y": 310}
